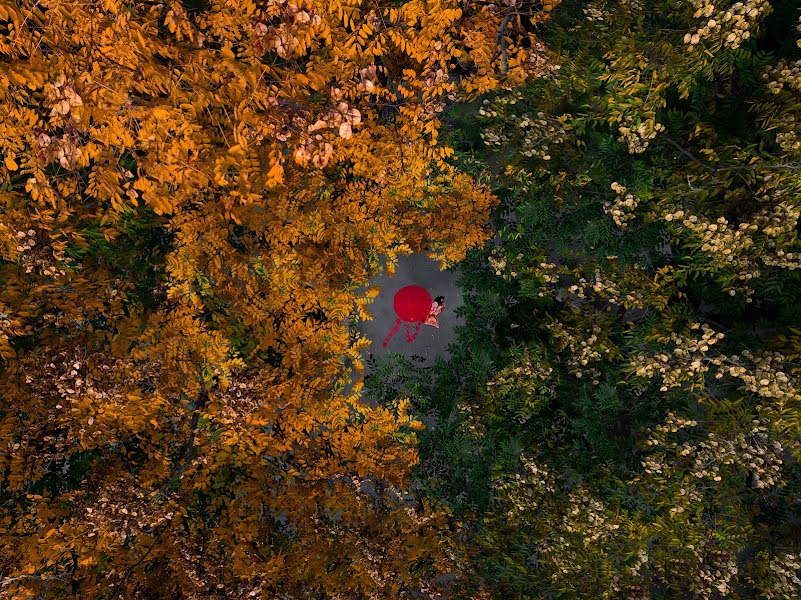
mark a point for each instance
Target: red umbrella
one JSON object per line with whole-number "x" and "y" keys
{"x": 414, "y": 306}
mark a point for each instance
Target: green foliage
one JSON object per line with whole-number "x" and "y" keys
{"x": 621, "y": 418}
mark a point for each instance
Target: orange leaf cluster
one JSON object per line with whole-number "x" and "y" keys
{"x": 192, "y": 197}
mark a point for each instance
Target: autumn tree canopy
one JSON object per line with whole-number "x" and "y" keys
{"x": 192, "y": 196}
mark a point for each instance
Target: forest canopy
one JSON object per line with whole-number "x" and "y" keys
{"x": 194, "y": 197}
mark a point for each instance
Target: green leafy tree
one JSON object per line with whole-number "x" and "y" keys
{"x": 632, "y": 332}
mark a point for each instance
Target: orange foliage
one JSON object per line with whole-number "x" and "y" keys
{"x": 180, "y": 423}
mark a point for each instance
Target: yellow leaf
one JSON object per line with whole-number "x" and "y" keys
{"x": 10, "y": 163}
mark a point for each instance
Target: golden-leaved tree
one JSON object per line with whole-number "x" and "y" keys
{"x": 192, "y": 197}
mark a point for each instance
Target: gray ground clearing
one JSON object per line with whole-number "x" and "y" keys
{"x": 431, "y": 342}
